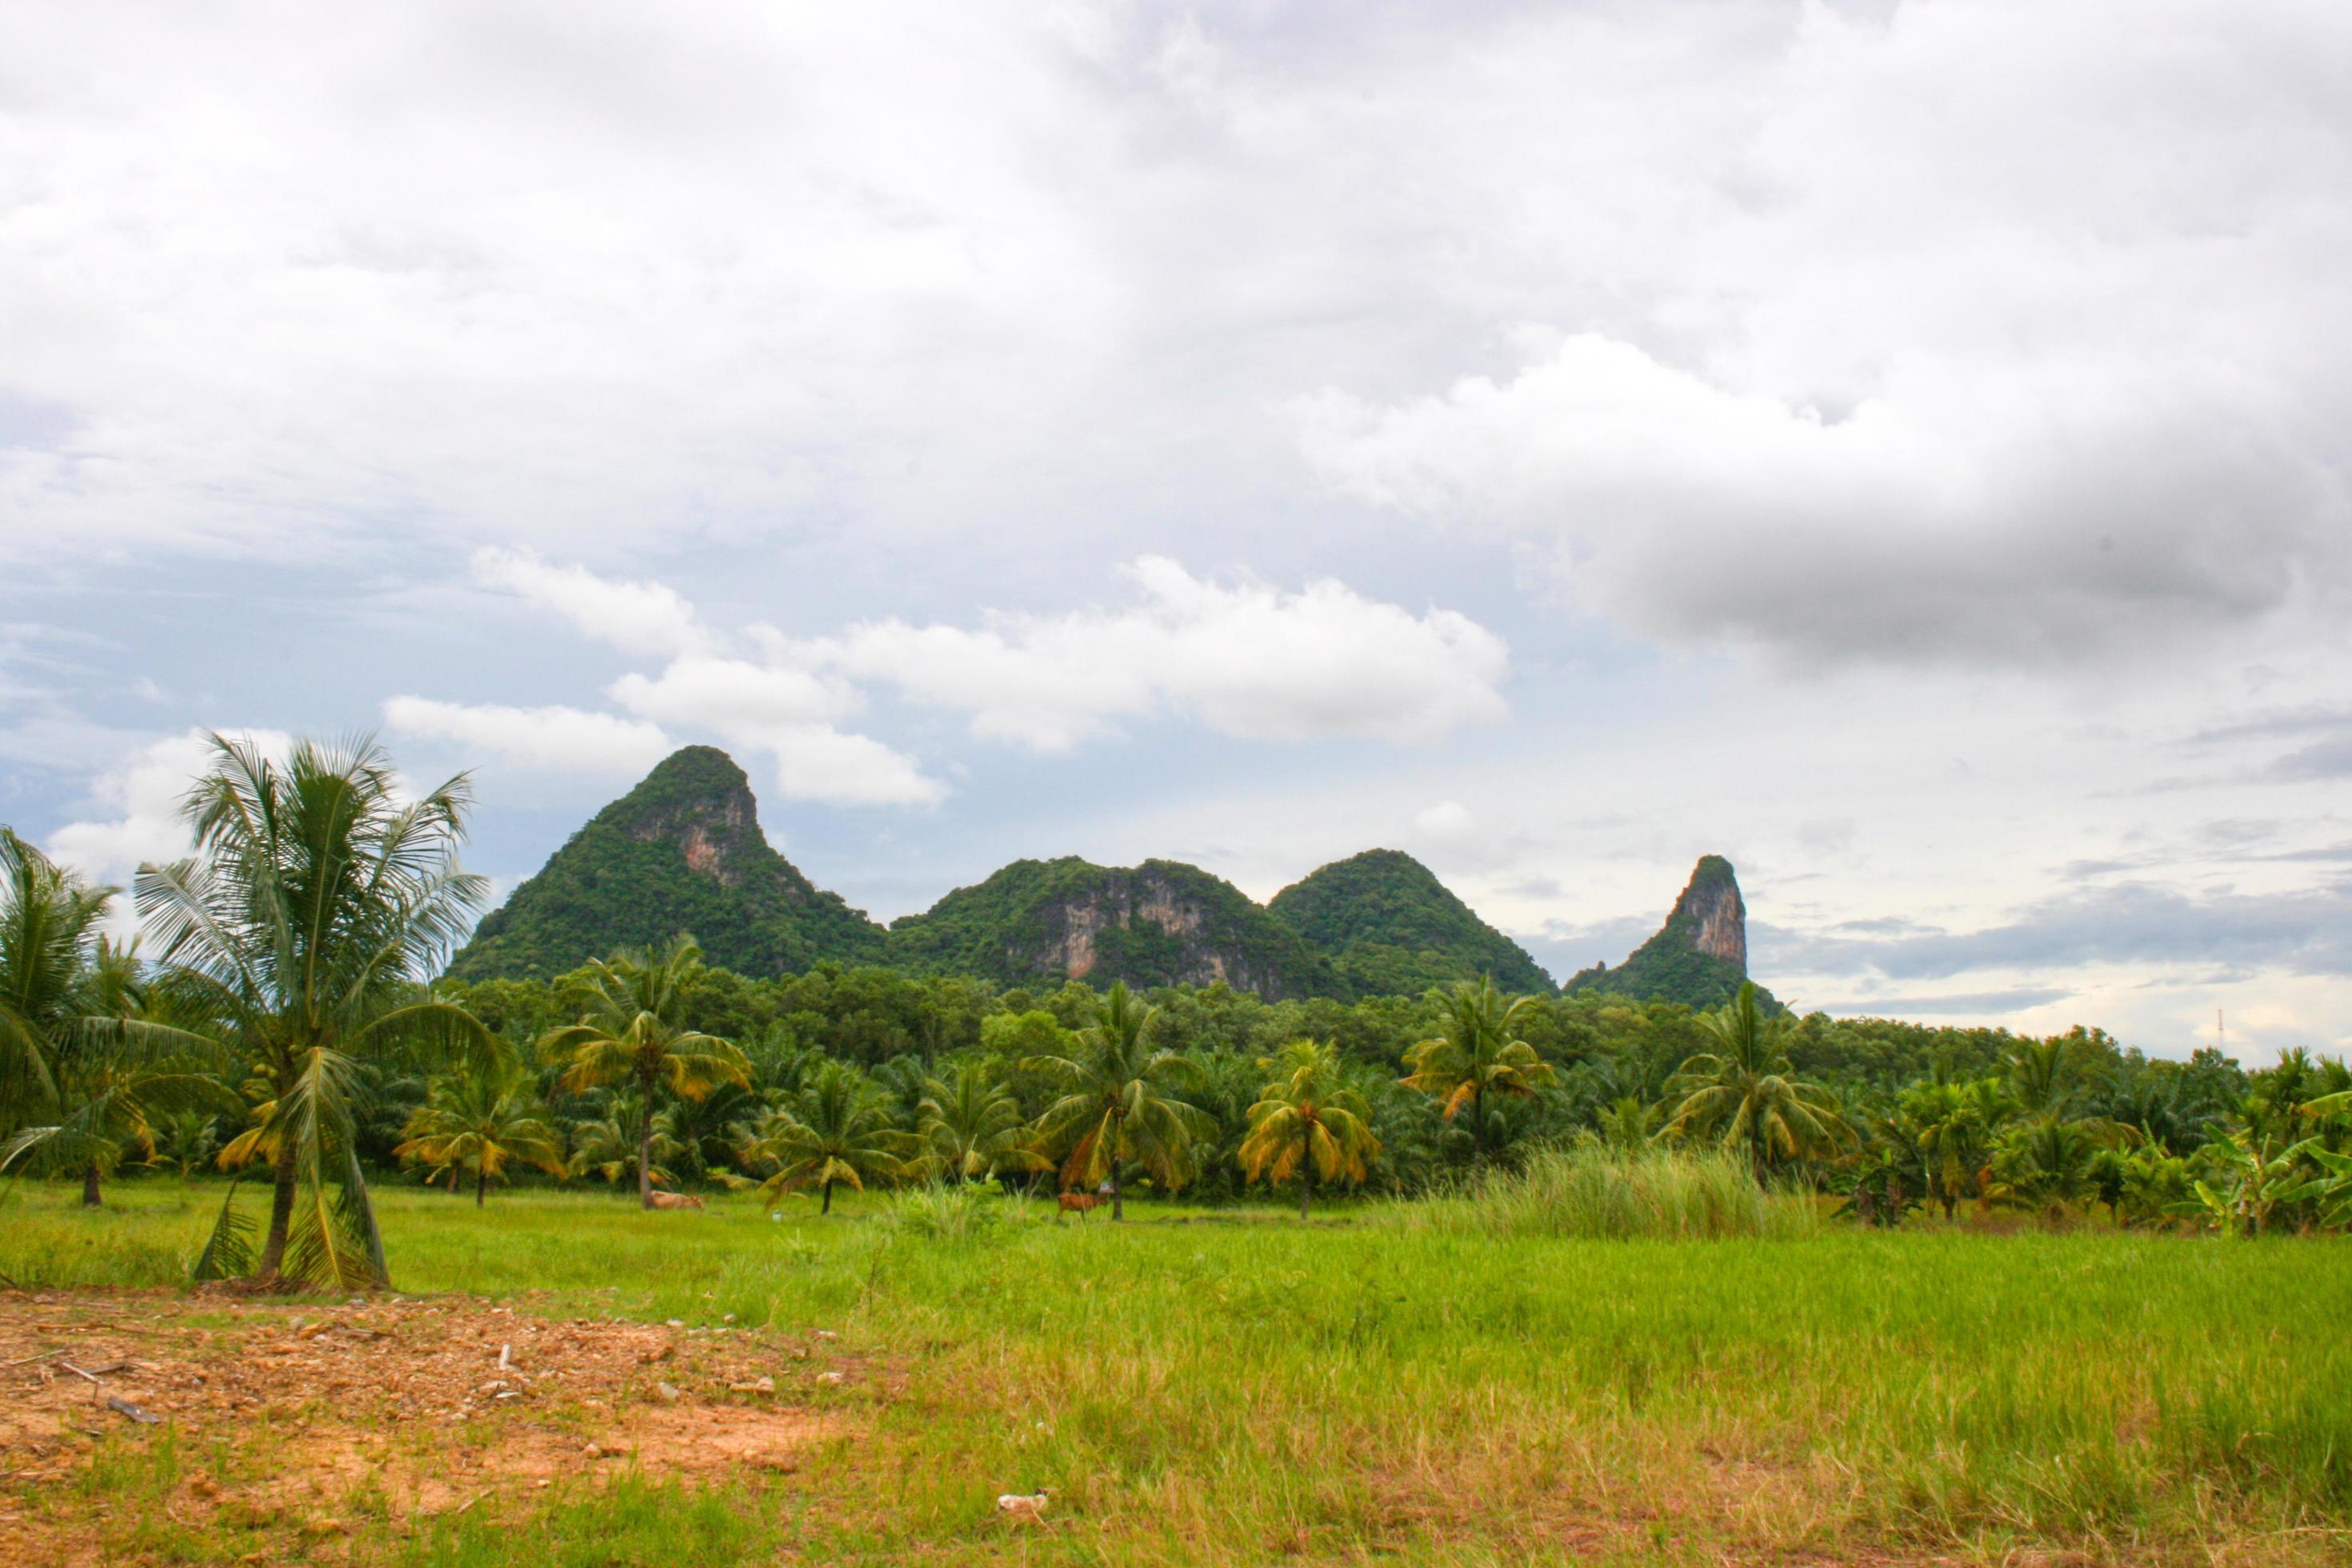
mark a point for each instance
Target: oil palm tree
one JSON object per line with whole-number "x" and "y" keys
{"x": 481, "y": 1122}
{"x": 971, "y": 1123}
{"x": 1308, "y": 1122}
{"x": 630, "y": 1032}
{"x": 1745, "y": 1094}
{"x": 1478, "y": 1053}
{"x": 1121, "y": 1103}
{"x": 836, "y": 1130}
{"x": 83, "y": 1068}
{"x": 320, "y": 899}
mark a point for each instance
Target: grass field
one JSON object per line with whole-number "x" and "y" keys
{"x": 1233, "y": 1387}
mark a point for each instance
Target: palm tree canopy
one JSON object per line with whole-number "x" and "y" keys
{"x": 971, "y": 1122}
{"x": 1745, "y": 1094}
{"x": 1308, "y": 1117}
{"x": 82, "y": 1066}
{"x": 48, "y": 940}
{"x": 628, "y": 1029}
{"x": 834, "y": 1131}
{"x": 1478, "y": 1051}
{"x": 1121, "y": 1102}
{"x": 481, "y": 1122}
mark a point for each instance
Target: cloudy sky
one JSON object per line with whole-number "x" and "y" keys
{"x": 1900, "y": 447}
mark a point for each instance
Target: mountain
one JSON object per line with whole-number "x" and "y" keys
{"x": 1699, "y": 957}
{"x": 1393, "y": 930}
{"x": 1159, "y": 923}
{"x": 681, "y": 852}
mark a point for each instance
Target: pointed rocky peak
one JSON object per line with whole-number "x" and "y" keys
{"x": 1710, "y": 911}
{"x": 682, "y": 853}
{"x": 701, "y": 801}
{"x": 1698, "y": 958}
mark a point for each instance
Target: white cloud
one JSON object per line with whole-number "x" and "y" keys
{"x": 1249, "y": 660}
{"x": 143, "y": 794}
{"x": 787, "y": 712}
{"x": 818, "y": 761}
{"x": 734, "y": 694}
{"x": 567, "y": 739}
{"x": 635, "y": 618}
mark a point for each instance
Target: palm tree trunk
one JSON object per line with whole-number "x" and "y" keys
{"x": 281, "y": 1214}
{"x": 1117, "y": 1208}
{"x": 646, "y": 1145}
{"x": 481, "y": 1184}
{"x": 1306, "y": 1185}
{"x": 89, "y": 1198}
{"x": 1478, "y": 1110}
{"x": 826, "y": 1206}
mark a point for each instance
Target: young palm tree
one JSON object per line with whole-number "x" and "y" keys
{"x": 630, "y": 1032}
{"x": 836, "y": 1130}
{"x": 971, "y": 1123}
{"x": 1747, "y": 1096}
{"x": 607, "y": 1148}
{"x": 1479, "y": 1053}
{"x": 304, "y": 928}
{"x": 1309, "y": 1121}
{"x": 1954, "y": 1125}
{"x": 82, "y": 1068}
{"x": 482, "y": 1122}
{"x": 1121, "y": 1105}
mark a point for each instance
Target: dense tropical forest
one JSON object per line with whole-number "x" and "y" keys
{"x": 281, "y": 1020}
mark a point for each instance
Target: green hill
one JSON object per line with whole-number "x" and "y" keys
{"x": 1159, "y": 923}
{"x": 1698, "y": 958}
{"x": 1393, "y": 930}
{"x": 681, "y": 852}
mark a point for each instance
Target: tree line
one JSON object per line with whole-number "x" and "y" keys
{"x": 278, "y": 1020}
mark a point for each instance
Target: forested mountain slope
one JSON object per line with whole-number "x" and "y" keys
{"x": 1393, "y": 930}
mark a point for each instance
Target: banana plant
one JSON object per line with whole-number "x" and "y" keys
{"x": 2255, "y": 1180}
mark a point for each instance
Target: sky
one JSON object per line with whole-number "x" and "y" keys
{"x": 1902, "y": 446}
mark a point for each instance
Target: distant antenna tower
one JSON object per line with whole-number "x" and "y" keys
{"x": 2220, "y": 1035}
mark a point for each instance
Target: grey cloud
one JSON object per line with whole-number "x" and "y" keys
{"x": 2307, "y": 932}
{"x": 1913, "y": 1005}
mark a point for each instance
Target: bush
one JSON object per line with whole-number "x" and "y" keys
{"x": 1595, "y": 1192}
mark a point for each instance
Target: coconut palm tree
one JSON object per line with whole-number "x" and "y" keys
{"x": 971, "y": 1122}
{"x": 835, "y": 1131}
{"x": 83, "y": 1068}
{"x": 321, "y": 898}
{"x": 629, "y": 1032}
{"x": 1745, "y": 1094}
{"x": 606, "y": 1148}
{"x": 1121, "y": 1102}
{"x": 1309, "y": 1122}
{"x": 482, "y": 1122}
{"x": 1478, "y": 1053}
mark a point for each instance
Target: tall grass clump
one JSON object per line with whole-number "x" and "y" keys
{"x": 1593, "y": 1191}
{"x": 940, "y": 1211}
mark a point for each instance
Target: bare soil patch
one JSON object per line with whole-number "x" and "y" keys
{"x": 408, "y": 1407}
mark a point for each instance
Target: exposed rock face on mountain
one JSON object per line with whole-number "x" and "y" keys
{"x": 1159, "y": 923}
{"x": 1699, "y": 957}
{"x": 1393, "y": 930}
{"x": 681, "y": 852}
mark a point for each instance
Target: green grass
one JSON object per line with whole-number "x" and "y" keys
{"x": 1387, "y": 1385}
